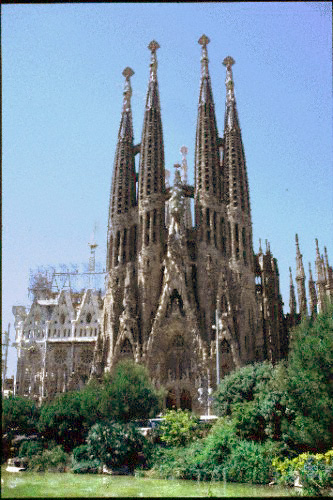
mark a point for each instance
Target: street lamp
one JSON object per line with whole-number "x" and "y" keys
{"x": 218, "y": 328}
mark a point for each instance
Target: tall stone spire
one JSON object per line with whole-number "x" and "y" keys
{"x": 300, "y": 280}
{"x": 151, "y": 173}
{"x": 123, "y": 190}
{"x": 187, "y": 212}
{"x": 207, "y": 167}
{"x": 236, "y": 189}
{"x": 292, "y": 299}
{"x": 321, "y": 279}
{"x": 151, "y": 198}
{"x": 312, "y": 293}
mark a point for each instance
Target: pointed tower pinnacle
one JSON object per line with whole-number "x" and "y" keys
{"x": 321, "y": 279}
{"x": 151, "y": 170}
{"x": 231, "y": 117}
{"x": 292, "y": 299}
{"x": 207, "y": 162}
{"x": 151, "y": 200}
{"x": 123, "y": 190}
{"x": 187, "y": 201}
{"x": 127, "y": 73}
{"x": 260, "y": 247}
{"x": 236, "y": 188}
{"x": 153, "y": 99}
{"x": 312, "y": 293}
{"x": 300, "y": 280}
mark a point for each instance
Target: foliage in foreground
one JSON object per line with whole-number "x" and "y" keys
{"x": 309, "y": 383}
{"x": 315, "y": 472}
{"x": 30, "y": 448}
{"x": 19, "y": 415}
{"x": 128, "y": 393}
{"x": 289, "y": 402}
{"x": 54, "y": 460}
{"x": 178, "y": 428}
{"x": 221, "y": 455}
{"x": 115, "y": 444}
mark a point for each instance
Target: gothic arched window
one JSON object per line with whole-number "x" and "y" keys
{"x": 224, "y": 304}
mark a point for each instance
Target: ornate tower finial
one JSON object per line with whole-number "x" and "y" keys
{"x": 300, "y": 280}
{"x": 127, "y": 73}
{"x": 187, "y": 202}
{"x": 292, "y": 299}
{"x": 184, "y": 151}
{"x": 260, "y": 249}
{"x": 153, "y": 46}
{"x": 167, "y": 177}
{"x": 229, "y": 82}
{"x": 204, "y": 41}
{"x": 312, "y": 293}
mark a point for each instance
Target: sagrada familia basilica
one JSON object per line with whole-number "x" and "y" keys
{"x": 189, "y": 300}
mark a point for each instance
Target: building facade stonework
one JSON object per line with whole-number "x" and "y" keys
{"x": 192, "y": 302}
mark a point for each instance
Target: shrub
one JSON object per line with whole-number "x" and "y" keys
{"x": 250, "y": 462}
{"x": 54, "y": 460}
{"x": 128, "y": 394}
{"x": 81, "y": 453}
{"x": 19, "y": 415}
{"x": 30, "y": 448}
{"x": 115, "y": 444}
{"x": 178, "y": 462}
{"x": 309, "y": 384}
{"x": 178, "y": 428}
{"x": 86, "y": 467}
{"x": 241, "y": 386}
{"x": 314, "y": 471}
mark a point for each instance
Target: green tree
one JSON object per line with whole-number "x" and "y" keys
{"x": 19, "y": 415}
{"x": 309, "y": 383}
{"x": 69, "y": 416}
{"x": 178, "y": 427}
{"x": 116, "y": 444}
{"x": 128, "y": 393}
{"x": 254, "y": 396}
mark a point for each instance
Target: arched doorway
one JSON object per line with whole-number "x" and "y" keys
{"x": 171, "y": 400}
{"x": 185, "y": 400}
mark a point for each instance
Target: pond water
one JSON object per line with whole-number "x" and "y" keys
{"x": 32, "y": 484}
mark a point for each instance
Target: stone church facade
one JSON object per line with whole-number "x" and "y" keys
{"x": 170, "y": 283}
{"x": 192, "y": 302}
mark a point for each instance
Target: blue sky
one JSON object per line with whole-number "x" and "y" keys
{"x": 62, "y": 95}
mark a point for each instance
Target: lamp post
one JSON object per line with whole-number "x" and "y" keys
{"x": 218, "y": 328}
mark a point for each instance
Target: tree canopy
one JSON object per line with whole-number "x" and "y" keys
{"x": 309, "y": 382}
{"x": 19, "y": 415}
{"x": 128, "y": 393}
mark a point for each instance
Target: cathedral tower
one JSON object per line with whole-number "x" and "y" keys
{"x": 210, "y": 218}
{"x": 122, "y": 231}
{"x": 236, "y": 196}
{"x": 151, "y": 202}
{"x": 300, "y": 280}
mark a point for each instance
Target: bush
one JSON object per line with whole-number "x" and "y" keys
{"x": 30, "y": 448}
{"x": 81, "y": 453}
{"x": 178, "y": 462}
{"x": 128, "y": 394}
{"x": 250, "y": 462}
{"x": 241, "y": 386}
{"x": 309, "y": 383}
{"x": 86, "y": 467}
{"x": 178, "y": 428}
{"x": 19, "y": 415}
{"x": 314, "y": 471}
{"x": 54, "y": 460}
{"x": 69, "y": 416}
{"x": 115, "y": 444}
